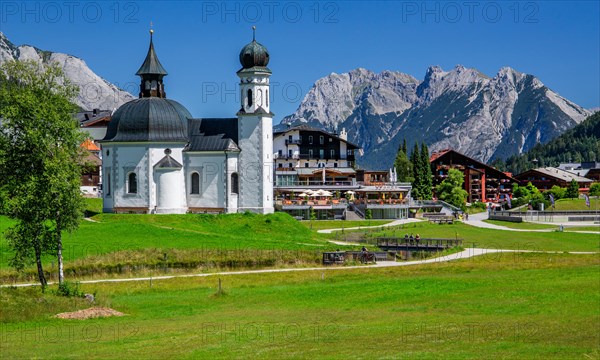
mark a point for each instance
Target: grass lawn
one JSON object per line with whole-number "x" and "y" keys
{"x": 112, "y": 243}
{"x": 576, "y": 204}
{"x": 496, "y": 239}
{"x": 511, "y": 306}
{"x": 522, "y": 225}
{"x": 338, "y": 224}
{"x": 583, "y": 228}
{"x": 110, "y": 233}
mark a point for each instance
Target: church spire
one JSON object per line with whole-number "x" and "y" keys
{"x": 152, "y": 72}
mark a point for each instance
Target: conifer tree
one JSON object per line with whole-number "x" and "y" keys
{"x": 572, "y": 190}
{"x": 402, "y": 165}
{"x": 415, "y": 159}
{"x": 426, "y": 191}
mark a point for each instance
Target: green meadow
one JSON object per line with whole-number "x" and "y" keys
{"x": 523, "y": 225}
{"x": 495, "y": 306}
{"x": 112, "y": 245}
{"x": 503, "y": 305}
{"x": 494, "y": 239}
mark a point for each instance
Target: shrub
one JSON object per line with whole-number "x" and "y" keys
{"x": 69, "y": 289}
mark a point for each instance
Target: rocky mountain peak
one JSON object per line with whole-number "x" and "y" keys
{"x": 463, "y": 109}
{"x": 94, "y": 91}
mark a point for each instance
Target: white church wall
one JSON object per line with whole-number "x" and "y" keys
{"x": 250, "y": 165}
{"x": 232, "y": 197}
{"x": 267, "y": 165}
{"x": 107, "y": 178}
{"x": 127, "y": 159}
{"x": 211, "y": 168}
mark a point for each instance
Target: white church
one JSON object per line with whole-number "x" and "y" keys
{"x": 157, "y": 158}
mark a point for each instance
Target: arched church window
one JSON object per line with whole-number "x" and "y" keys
{"x": 249, "y": 97}
{"x": 235, "y": 185}
{"x": 267, "y": 96}
{"x": 195, "y": 183}
{"x": 154, "y": 85}
{"x": 132, "y": 183}
{"x": 147, "y": 84}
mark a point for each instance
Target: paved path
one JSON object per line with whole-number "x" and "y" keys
{"x": 393, "y": 223}
{"x": 477, "y": 220}
{"x": 465, "y": 254}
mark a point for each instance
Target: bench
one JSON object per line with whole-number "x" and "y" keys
{"x": 334, "y": 257}
{"x": 381, "y": 256}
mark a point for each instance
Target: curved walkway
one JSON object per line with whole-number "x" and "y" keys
{"x": 477, "y": 220}
{"x": 465, "y": 254}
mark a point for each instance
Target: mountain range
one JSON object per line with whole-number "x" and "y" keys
{"x": 484, "y": 117}
{"x": 94, "y": 91}
{"x": 487, "y": 118}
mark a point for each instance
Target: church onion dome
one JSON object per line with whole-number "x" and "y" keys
{"x": 254, "y": 55}
{"x": 149, "y": 119}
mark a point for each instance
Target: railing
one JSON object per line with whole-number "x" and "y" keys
{"x": 315, "y": 183}
{"x": 550, "y": 212}
{"x": 381, "y": 202}
{"x": 341, "y": 203}
{"x": 293, "y": 142}
{"x": 357, "y": 210}
{"x": 426, "y": 203}
{"x": 285, "y": 156}
{"x": 424, "y": 243}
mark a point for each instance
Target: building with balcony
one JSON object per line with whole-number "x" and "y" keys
{"x": 482, "y": 182}
{"x": 314, "y": 172}
{"x": 310, "y": 157}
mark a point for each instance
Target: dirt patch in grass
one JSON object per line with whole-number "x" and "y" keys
{"x": 94, "y": 312}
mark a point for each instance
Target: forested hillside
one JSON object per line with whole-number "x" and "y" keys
{"x": 581, "y": 143}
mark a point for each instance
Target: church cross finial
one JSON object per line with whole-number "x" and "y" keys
{"x": 253, "y": 33}
{"x": 151, "y": 29}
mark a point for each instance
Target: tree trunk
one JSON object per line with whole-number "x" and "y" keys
{"x": 40, "y": 269}
{"x": 59, "y": 255}
{"x": 61, "y": 274}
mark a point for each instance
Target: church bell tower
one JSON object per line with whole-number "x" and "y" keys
{"x": 255, "y": 130}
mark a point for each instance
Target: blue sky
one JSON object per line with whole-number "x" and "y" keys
{"x": 199, "y": 42}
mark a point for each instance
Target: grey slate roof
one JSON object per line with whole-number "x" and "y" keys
{"x": 168, "y": 162}
{"x": 213, "y": 134}
{"x": 151, "y": 64}
{"x": 561, "y": 174}
{"x": 228, "y": 127}
{"x": 89, "y": 117}
{"x": 149, "y": 119}
{"x": 211, "y": 143}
